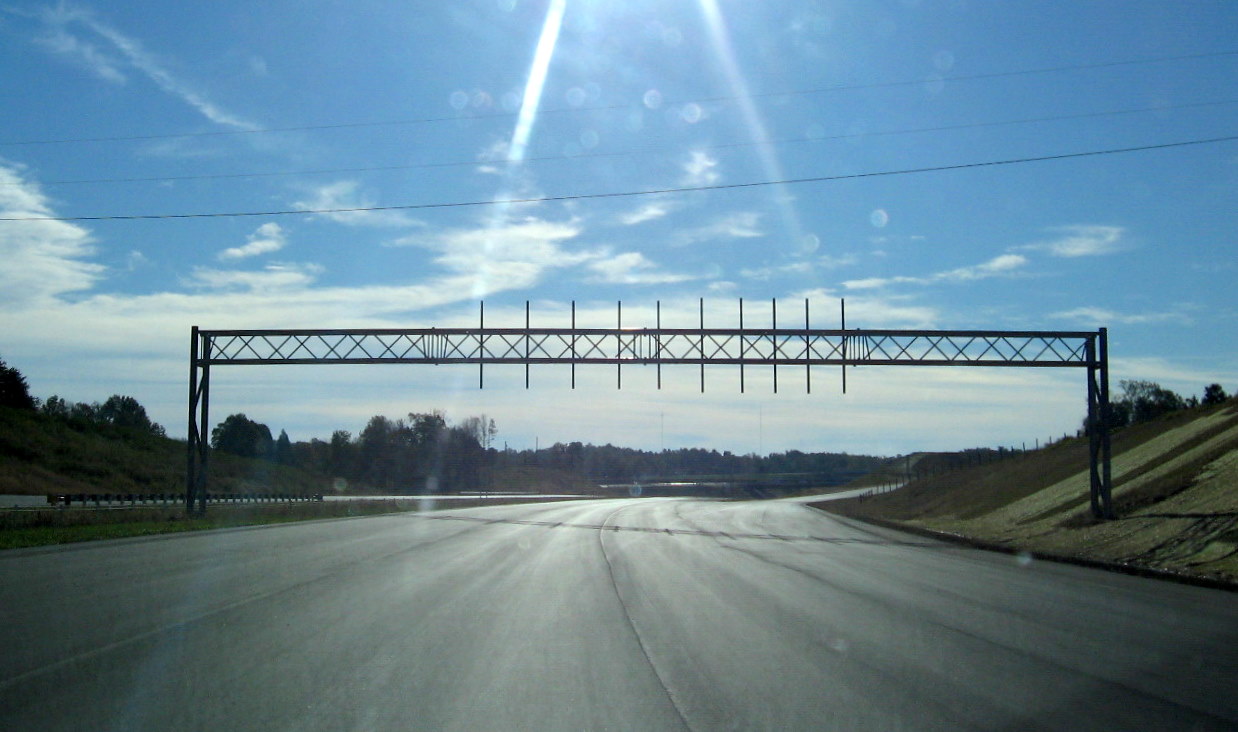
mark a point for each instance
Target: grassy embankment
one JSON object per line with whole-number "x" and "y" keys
{"x": 40, "y": 456}
{"x": 1175, "y": 488}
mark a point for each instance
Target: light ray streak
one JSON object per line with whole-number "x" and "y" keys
{"x": 537, "y": 80}
{"x": 721, "y": 40}
{"x": 523, "y": 131}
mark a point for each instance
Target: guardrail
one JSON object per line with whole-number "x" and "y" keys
{"x": 115, "y": 500}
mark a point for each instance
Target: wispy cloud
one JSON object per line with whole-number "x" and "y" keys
{"x": 83, "y": 52}
{"x": 1097, "y": 317}
{"x": 136, "y": 260}
{"x": 1186, "y": 379}
{"x": 74, "y": 33}
{"x": 268, "y": 238}
{"x": 42, "y": 259}
{"x": 503, "y": 256}
{"x": 763, "y": 274}
{"x": 800, "y": 266}
{"x": 275, "y": 276}
{"x": 701, "y": 169}
{"x": 899, "y": 311}
{"x": 736, "y": 225}
{"x": 1081, "y": 241}
{"x": 632, "y": 268}
{"x": 647, "y": 212}
{"x": 345, "y": 194}
{"x": 999, "y": 265}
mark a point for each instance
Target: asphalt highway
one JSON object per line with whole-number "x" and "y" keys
{"x": 648, "y": 614}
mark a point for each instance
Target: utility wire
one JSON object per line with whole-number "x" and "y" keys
{"x": 497, "y": 115}
{"x": 644, "y": 151}
{"x": 629, "y": 194}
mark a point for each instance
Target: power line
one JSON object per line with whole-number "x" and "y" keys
{"x": 645, "y": 151}
{"x": 498, "y": 115}
{"x": 629, "y": 194}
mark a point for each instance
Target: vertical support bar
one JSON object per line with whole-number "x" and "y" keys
{"x": 526, "y": 344}
{"x": 658, "y": 342}
{"x": 204, "y": 406}
{"x": 774, "y": 338}
{"x": 702, "y": 343}
{"x": 743, "y": 342}
{"x": 192, "y": 467}
{"x": 807, "y": 351}
{"x": 619, "y": 344}
{"x": 842, "y": 314}
{"x": 1093, "y": 430}
{"x": 573, "y": 344}
{"x": 481, "y": 344}
{"x": 1106, "y": 453}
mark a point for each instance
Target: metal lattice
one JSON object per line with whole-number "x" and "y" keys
{"x": 716, "y": 346}
{"x": 657, "y": 346}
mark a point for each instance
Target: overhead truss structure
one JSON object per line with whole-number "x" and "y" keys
{"x": 742, "y": 346}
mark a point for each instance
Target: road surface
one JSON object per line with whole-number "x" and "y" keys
{"x": 649, "y": 614}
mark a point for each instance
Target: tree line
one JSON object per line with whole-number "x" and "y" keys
{"x": 422, "y": 452}
{"x": 1144, "y": 401}
{"x": 118, "y": 411}
{"x": 611, "y": 464}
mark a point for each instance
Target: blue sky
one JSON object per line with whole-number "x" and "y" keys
{"x": 131, "y": 108}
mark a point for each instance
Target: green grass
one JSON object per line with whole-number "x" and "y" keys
{"x": 59, "y": 526}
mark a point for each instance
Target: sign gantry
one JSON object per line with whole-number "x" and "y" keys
{"x": 624, "y": 345}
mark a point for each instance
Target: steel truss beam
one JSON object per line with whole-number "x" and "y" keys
{"x": 657, "y": 346}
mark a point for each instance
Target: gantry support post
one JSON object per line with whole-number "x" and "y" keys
{"x": 1106, "y": 452}
{"x": 1099, "y": 452}
{"x": 199, "y": 449}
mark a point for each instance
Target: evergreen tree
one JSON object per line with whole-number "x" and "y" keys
{"x": 14, "y": 392}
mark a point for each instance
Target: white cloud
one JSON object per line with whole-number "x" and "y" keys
{"x": 797, "y": 267}
{"x": 268, "y": 238}
{"x": 494, "y": 158}
{"x": 42, "y": 259}
{"x": 765, "y": 273}
{"x": 504, "y": 255}
{"x": 999, "y": 265}
{"x": 341, "y": 201}
{"x": 1098, "y": 317}
{"x": 632, "y": 268}
{"x": 275, "y": 276}
{"x": 1178, "y": 376}
{"x": 1081, "y": 241}
{"x": 875, "y": 312}
{"x": 647, "y": 212}
{"x": 828, "y": 261}
{"x": 64, "y": 19}
{"x": 737, "y": 225}
{"x": 85, "y": 53}
{"x": 869, "y": 283}
{"x": 700, "y": 170}
{"x": 136, "y": 260}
